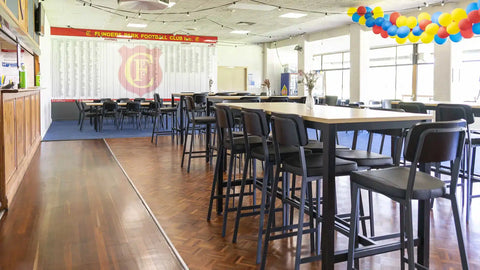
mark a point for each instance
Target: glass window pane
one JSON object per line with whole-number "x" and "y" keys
{"x": 346, "y": 60}
{"x": 404, "y": 81}
{"x": 469, "y": 82}
{"x": 425, "y": 82}
{"x": 382, "y": 57}
{"x": 346, "y": 84}
{"x": 332, "y": 61}
{"x": 404, "y": 54}
{"x": 381, "y": 84}
{"x": 317, "y": 62}
{"x": 333, "y": 83}
{"x": 425, "y": 53}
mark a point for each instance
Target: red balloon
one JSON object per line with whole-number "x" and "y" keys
{"x": 464, "y": 24}
{"x": 377, "y": 29}
{"x": 384, "y": 34}
{"x": 467, "y": 33}
{"x": 361, "y": 10}
{"x": 393, "y": 17}
{"x": 442, "y": 32}
{"x": 474, "y": 16}
{"x": 424, "y": 24}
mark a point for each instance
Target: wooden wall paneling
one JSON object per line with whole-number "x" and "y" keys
{"x": 28, "y": 121}
{"x": 9, "y": 138}
{"x": 20, "y": 128}
{"x": 20, "y": 137}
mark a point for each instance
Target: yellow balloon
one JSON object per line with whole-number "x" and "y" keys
{"x": 424, "y": 16}
{"x": 432, "y": 29}
{"x": 452, "y": 28}
{"x": 445, "y": 19}
{"x": 400, "y": 40}
{"x": 458, "y": 14}
{"x": 351, "y": 11}
{"x": 377, "y": 12}
{"x": 362, "y": 20}
{"x": 411, "y": 22}
{"x": 412, "y": 38}
{"x": 401, "y": 21}
{"x": 426, "y": 38}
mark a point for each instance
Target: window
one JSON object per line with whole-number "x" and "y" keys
{"x": 335, "y": 68}
{"x": 469, "y": 74}
{"x": 425, "y": 59}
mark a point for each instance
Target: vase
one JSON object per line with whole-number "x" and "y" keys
{"x": 309, "y": 101}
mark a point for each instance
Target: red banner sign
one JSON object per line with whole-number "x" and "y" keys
{"x": 76, "y": 32}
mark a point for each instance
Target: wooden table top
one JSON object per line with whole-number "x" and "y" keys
{"x": 220, "y": 98}
{"x": 331, "y": 114}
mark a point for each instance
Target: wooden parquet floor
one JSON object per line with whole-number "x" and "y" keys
{"x": 179, "y": 200}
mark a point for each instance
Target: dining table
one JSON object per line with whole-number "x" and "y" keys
{"x": 100, "y": 104}
{"x": 330, "y": 119}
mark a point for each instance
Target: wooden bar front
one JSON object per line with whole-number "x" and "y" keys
{"x": 19, "y": 137}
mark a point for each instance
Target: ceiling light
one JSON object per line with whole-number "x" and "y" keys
{"x": 293, "y": 15}
{"x": 251, "y": 7}
{"x": 137, "y": 25}
{"x": 241, "y": 32}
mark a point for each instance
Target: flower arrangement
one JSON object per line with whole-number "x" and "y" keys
{"x": 266, "y": 83}
{"x": 309, "y": 79}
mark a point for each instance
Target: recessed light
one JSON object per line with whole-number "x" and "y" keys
{"x": 241, "y": 32}
{"x": 293, "y": 15}
{"x": 171, "y": 4}
{"x": 137, "y": 25}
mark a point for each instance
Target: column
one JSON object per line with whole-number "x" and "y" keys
{"x": 359, "y": 60}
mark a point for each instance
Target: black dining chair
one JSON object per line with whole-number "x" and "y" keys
{"x": 132, "y": 110}
{"x": 413, "y": 107}
{"x": 109, "y": 110}
{"x": 289, "y": 131}
{"x": 448, "y": 112}
{"x": 331, "y": 100}
{"x": 277, "y": 99}
{"x": 426, "y": 143}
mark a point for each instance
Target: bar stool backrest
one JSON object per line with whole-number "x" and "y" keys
{"x": 255, "y": 122}
{"x": 289, "y": 129}
{"x": 447, "y": 112}
{"x": 413, "y": 107}
{"x": 435, "y": 142}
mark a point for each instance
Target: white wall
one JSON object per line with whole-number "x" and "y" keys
{"x": 45, "y": 80}
{"x": 249, "y": 56}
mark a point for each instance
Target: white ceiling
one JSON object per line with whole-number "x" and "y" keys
{"x": 220, "y": 17}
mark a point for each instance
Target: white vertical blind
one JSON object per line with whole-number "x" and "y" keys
{"x": 92, "y": 68}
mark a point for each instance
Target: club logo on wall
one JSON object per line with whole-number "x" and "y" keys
{"x": 140, "y": 71}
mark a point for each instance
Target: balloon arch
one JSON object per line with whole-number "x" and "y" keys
{"x": 438, "y": 27}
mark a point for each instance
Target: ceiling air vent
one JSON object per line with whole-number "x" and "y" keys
{"x": 143, "y": 4}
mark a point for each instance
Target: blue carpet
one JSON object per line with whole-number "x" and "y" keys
{"x": 69, "y": 130}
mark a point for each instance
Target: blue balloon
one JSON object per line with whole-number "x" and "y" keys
{"x": 369, "y": 9}
{"x": 456, "y": 38}
{"x": 471, "y": 7}
{"x": 387, "y": 16}
{"x": 439, "y": 40}
{"x": 392, "y": 30}
{"x": 403, "y": 31}
{"x": 368, "y": 15}
{"x": 476, "y": 28}
{"x": 370, "y": 22}
{"x": 379, "y": 21}
{"x": 417, "y": 31}
{"x": 435, "y": 17}
{"x": 355, "y": 17}
{"x": 386, "y": 24}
